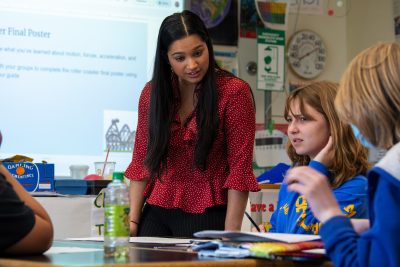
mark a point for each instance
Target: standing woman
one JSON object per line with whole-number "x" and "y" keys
{"x": 192, "y": 162}
{"x": 369, "y": 98}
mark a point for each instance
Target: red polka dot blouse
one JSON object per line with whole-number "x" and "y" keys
{"x": 229, "y": 164}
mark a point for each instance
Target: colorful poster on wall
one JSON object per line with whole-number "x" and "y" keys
{"x": 271, "y": 59}
{"x": 249, "y": 19}
{"x": 273, "y": 13}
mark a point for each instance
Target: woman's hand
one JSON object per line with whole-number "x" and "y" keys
{"x": 315, "y": 187}
{"x": 326, "y": 155}
{"x": 136, "y": 189}
{"x": 133, "y": 227}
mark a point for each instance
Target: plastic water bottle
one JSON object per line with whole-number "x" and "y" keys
{"x": 116, "y": 217}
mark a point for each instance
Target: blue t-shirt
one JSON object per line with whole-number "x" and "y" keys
{"x": 293, "y": 214}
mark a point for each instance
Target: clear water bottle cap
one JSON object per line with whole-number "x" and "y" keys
{"x": 118, "y": 176}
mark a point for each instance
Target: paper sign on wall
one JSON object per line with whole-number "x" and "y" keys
{"x": 310, "y": 7}
{"x": 271, "y": 59}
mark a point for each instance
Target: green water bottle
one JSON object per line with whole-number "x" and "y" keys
{"x": 116, "y": 217}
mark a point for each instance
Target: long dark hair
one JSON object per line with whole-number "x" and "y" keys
{"x": 175, "y": 27}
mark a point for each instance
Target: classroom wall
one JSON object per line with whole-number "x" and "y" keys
{"x": 369, "y": 22}
{"x": 353, "y": 27}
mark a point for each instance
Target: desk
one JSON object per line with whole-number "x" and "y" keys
{"x": 142, "y": 257}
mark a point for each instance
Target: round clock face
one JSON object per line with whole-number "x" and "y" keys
{"x": 306, "y": 54}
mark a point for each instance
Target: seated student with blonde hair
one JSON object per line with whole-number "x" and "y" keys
{"x": 369, "y": 98}
{"x": 25, "y": 227}
{"x": 312, "y": 126}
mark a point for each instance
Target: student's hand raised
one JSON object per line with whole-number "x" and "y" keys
{"x": 315, "y": 187}
{"x": 326, "y": 155}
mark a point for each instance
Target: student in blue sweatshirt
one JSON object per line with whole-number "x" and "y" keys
{"x": 312, "y": 119}
{"x": 369, "y": 98}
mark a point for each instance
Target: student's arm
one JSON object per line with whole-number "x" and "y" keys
{"x": 237, "y": 202}
{"x": 39, "y": 239}
{"x": 378, "y": 246}
{"x": 137, "y": 200}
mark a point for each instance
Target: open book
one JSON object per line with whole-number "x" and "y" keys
{"x": 257, "y": 237}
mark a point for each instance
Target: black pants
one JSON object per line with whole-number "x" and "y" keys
{"x": 158, "y": 221}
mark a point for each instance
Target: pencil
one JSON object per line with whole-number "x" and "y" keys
{"x": 252, "y": 221}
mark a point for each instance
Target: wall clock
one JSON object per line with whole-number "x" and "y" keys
{"x": 306, "y": 54}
